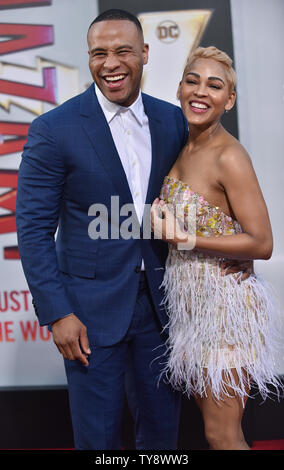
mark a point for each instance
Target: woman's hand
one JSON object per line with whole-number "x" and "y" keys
{"x": 165, "y": 226}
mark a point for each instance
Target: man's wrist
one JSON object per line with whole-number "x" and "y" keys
{"x": 60, "y": 318}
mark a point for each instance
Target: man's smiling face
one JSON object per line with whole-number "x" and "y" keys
{"x": 117, "y": 54}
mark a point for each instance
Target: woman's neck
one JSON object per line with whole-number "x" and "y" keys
{"x": 199, "y": 136}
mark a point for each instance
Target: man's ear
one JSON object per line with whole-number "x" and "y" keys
{"x": 145, "y": 53}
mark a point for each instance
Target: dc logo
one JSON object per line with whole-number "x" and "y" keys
{"x": 168, "y": 31}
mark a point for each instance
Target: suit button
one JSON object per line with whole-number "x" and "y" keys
{"x": 137, "y": 269}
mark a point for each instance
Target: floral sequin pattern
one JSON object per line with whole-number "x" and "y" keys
{"x": 210, "y": 219}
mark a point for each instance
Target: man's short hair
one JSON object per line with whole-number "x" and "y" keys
{"x": 116, "y": 14}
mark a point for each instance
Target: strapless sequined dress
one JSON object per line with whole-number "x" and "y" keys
{"x": 216, "y": 323}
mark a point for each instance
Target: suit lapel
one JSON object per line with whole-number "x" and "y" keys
{"x": 156, "y": 131}
{"x": 98, "y": 131}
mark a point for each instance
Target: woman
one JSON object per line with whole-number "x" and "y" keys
{"x": 221, "y": 337}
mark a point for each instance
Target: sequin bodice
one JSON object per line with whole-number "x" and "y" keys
{"x": 210, "y": 219}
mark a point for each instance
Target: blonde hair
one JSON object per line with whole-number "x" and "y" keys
{"x": 212, "y": 52}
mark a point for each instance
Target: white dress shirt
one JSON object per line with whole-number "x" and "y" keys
{"x": 129, "y": 127}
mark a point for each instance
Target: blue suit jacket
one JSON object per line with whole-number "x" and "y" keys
{"x": 69, "y": 163}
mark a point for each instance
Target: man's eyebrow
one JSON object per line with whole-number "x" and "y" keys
{"x": 209, "y": 78}
{"x": 102, "y": 49}
{"x": 97, "y": 49}
{"x": 124, "y": 46}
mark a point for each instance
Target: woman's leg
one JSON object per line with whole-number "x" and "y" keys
{"x": 223, "y": 420}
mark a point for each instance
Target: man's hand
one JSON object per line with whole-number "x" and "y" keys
{"x": 70, "y": 337}
{"x": 237, "y": 266}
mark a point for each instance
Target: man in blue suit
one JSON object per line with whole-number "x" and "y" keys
{"x": 106, "y": 148}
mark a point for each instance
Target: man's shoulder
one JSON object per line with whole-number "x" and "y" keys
{"x": 169, "y": 114}
{"x": 154, "y": 102}
{"x": 67, "y": 110}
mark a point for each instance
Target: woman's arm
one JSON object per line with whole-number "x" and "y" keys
{"x": 240, "y": 183}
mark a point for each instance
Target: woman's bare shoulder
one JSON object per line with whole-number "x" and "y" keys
{"x": 233, "y": 154}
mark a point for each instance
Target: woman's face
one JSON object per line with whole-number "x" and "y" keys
{"x": 204, "y": 92}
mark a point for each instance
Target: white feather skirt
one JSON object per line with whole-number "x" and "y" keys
{"x": 223, "y": 332}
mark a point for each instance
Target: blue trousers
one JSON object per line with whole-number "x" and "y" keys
{"x": 97, "y": 392}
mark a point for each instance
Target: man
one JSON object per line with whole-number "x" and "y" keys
{"x": 101, "y": 296}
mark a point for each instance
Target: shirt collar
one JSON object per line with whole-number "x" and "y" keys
{"x": 111, "y": 109}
